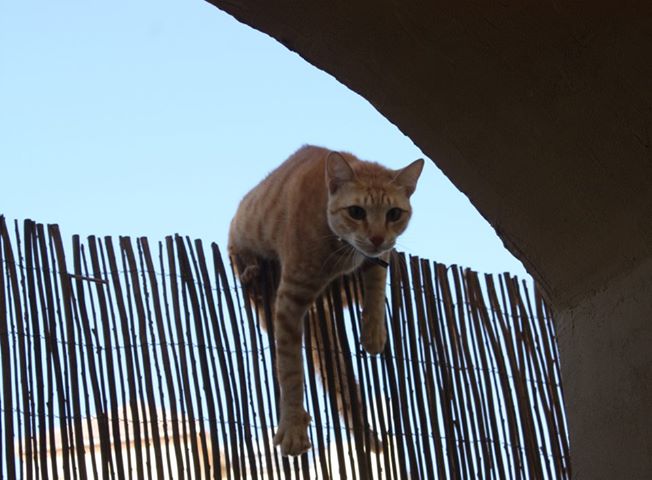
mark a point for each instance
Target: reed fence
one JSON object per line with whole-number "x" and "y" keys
{"x": 122, "y": 359}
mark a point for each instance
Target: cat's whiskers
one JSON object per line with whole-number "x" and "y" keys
{"x": 344, "y": 259}
{"x": 350, "y": 256}
{"x": 337, "y": 251}
{"x": 317, "y": 243}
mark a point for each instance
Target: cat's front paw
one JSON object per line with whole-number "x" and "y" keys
{"x": 292, "y": 435}
{"x": 373, "y": 339}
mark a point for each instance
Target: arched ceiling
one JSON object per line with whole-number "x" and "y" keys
{"x": 540, "y": 112}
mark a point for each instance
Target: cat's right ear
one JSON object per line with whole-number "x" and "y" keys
{"x": 338, "y": 171}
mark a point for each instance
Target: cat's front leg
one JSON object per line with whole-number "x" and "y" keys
{"x": 373, "y": 331}
{"x": 292, "y": 302}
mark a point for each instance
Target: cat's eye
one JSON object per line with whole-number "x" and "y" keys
{"x": 393, "y": 214}
{"x": 357, "y": 213}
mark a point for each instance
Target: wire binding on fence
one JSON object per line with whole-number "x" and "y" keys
{"x": 123, "y": 362}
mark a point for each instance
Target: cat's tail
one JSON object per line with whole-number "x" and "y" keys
{"x": 260, "y": 280}
{"x": 330, "y": 362}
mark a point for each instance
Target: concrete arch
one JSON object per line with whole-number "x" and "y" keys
{"x": 541, "y": 113}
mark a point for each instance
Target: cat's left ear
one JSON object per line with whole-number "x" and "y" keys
{"x": 408, "y": 176}
{"x": 338, "y": 171}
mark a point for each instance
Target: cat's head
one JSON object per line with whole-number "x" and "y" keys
{"x": 368, "y": 204}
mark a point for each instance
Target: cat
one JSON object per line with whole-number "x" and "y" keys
{"x": 321, "y": 214}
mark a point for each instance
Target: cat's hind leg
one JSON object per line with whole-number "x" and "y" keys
{"x": 247, "y": 266}
{"x": 328, "y": 353}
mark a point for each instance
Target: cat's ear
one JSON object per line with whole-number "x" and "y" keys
{"x": 338, "y": 171}
{"x": 408, "y": 176}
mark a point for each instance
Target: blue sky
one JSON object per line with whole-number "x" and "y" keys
{"x": 151, "y": 118}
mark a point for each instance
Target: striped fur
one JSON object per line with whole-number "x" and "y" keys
{"x": 305, "y": 216}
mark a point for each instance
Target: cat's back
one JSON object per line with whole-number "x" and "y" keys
{"x": 306, "y": 165}
{"x": 296, "y": 187}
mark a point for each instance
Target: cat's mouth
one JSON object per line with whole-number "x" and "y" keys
{"x": 371, "y": 251}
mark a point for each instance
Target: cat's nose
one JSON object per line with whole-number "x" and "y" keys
{"x": 377, "y": 240}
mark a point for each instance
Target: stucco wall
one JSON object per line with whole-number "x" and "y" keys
{"x": 606, "y": 349}
{"x": 541, "y": 113}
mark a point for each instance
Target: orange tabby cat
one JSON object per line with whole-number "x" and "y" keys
{"x": 321, "y": 214}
